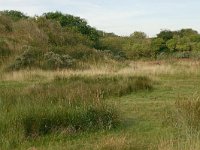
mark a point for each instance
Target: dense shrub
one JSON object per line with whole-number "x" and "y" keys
{"x": 6, "y": 24}
{"x": 4, "y": 49}
{"x": 27, "y": 59}
{"x": 78, "y": 52}
{"x": 55, "y": 61}
{"x": 179, "y": 55}
{"x": 73, "y": 22}
{"x": 15, "y": 15}
{"x": 114, "y": 44}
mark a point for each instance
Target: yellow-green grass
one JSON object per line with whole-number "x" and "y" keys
{"x": 68, "y": 106}
{"x": 148, "y": 118}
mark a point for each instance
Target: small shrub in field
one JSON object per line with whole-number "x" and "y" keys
{"x": 55, "y": 61}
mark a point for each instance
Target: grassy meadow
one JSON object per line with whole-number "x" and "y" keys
{"x": 67, "y": 85}
{"x": 139, "y": 105}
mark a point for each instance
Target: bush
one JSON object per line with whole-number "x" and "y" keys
{"x": 27, "y": 59}
{"x": 6, "y": 24}
{"x": 81, "y": 52}
{"x": 55, "y": 61}
{"x": 181, "y": 55}
{"x": 15, "y": 15}
{"x": 4, "y": 49}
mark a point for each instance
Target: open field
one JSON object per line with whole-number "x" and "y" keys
{"x": 140, "y": 105}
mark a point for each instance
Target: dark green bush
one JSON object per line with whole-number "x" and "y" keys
{"x": 15, "y": 15}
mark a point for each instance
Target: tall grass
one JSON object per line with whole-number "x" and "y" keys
{"x": 188, "y": 111}
{"x": 66, "y": 104}
{"x": 185, "y": 118}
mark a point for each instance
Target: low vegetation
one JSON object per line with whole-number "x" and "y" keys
{"x": 69, "y": 105}
{"x": 67, "y": 85}
{"x": 25, "y": 41}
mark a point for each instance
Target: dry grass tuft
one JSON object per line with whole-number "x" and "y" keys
{"x": 152, "y": 69}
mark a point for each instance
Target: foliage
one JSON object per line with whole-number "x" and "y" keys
{"x": 113, "y": 44}
{"x": 64, "y": 34}
{"x": 56, "y": 61}
{"x": 15, "y": 15}
{"x": 165, "y": 35}
{"x": 75, "y": 23}
{"x": 27, "y": 59}
{"x": 6, "y": 24}
{"x": 138, "y": 35}
{"x": 138, "y": 46}
{"x": 4, "y": 49}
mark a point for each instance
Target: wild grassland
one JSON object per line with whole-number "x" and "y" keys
{"x": 142, "y": 105}
{"x": 68, "y": 105}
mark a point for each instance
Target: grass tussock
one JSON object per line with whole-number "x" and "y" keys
{"x": 189, "y": 112}
{"x": 69, "y": 121}
{"x": 185, "y": 119}
{"x": 107, "y": 86}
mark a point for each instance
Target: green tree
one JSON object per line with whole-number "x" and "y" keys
{"x": 184, "y": 44}
{"x": 75, "y": 23}
{"x": 158, "y": 46}
{"x": 171, "y": 44}
{"x": 187, "y": 32}
{"x": 165, "y": 35}
{"x": 15, "y": 15}
{"x": 138, "y": 35}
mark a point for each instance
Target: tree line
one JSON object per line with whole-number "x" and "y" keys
{"x": 67, "y": 36}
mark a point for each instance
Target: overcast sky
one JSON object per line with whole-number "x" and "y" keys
{"x": 119, "y": 16}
